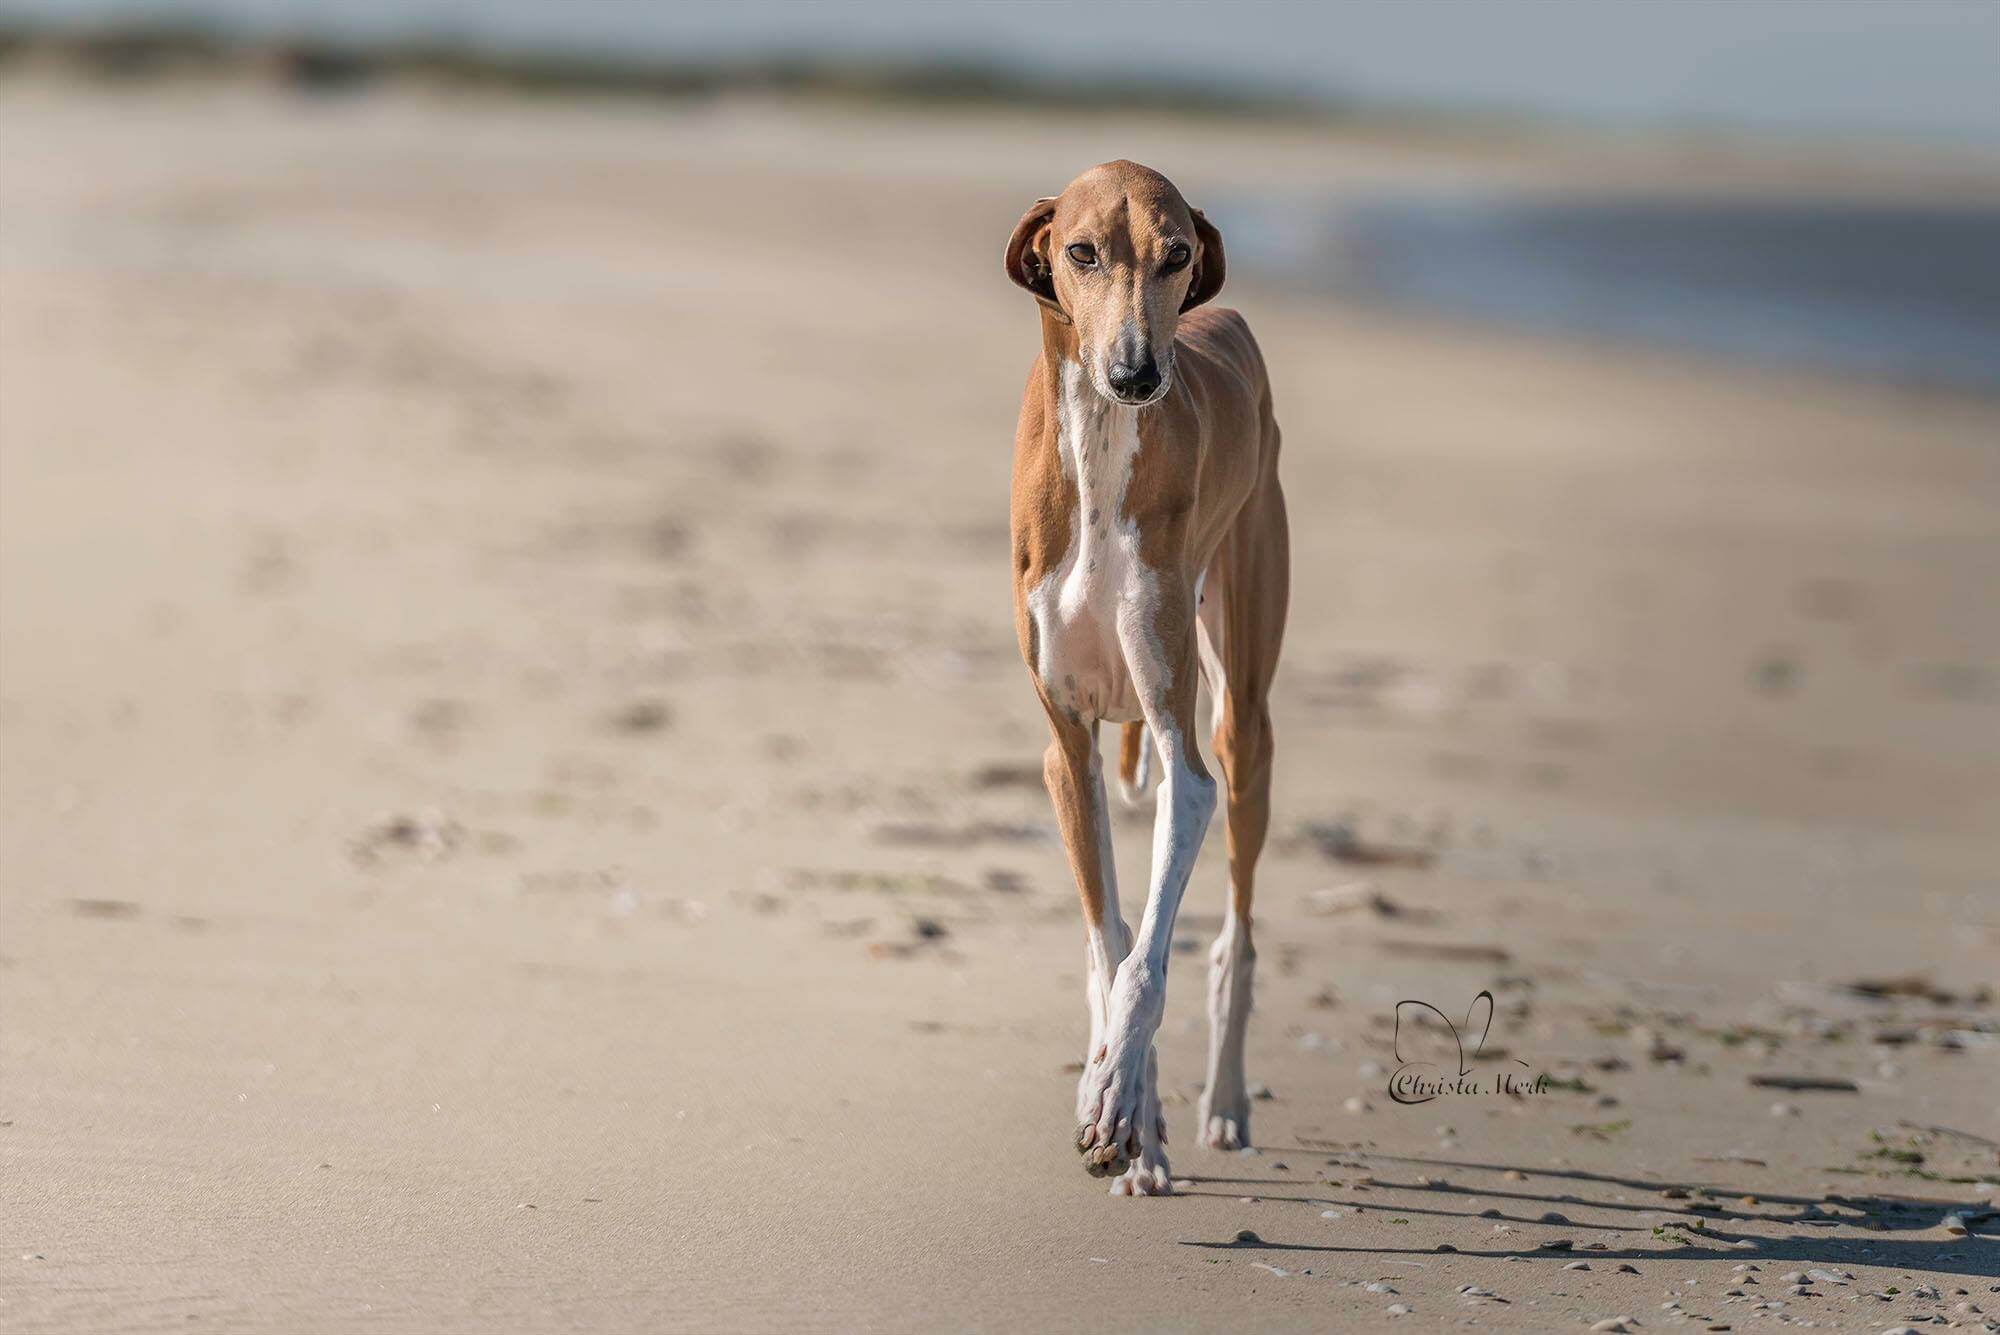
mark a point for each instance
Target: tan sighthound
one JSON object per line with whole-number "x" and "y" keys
{"x": 1150, "y": 552}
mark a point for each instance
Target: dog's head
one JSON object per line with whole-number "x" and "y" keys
{"x": 1120, "y": 256}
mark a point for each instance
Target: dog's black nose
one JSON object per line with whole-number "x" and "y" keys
{"x": 1134, "y": 381}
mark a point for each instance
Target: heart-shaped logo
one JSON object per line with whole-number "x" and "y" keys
{"x": 1475, "y": 1017}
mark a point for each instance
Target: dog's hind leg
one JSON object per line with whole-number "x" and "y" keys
{"x": 1241, "y": 627}
{"x": 1134, "y": 764}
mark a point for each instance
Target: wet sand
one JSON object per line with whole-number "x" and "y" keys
{"x": 521, "y": 803}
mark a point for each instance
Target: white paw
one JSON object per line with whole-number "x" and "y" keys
{"x": 1120, "y": 1104}
{"x": 1149, "y": 1176}
{"x": 1225, "y": 1122}
{"x": 1113, "y": 1114}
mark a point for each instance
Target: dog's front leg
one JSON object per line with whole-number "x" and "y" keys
{"x": 1122, "y": 1108}
{"x": 1074, "y": 772}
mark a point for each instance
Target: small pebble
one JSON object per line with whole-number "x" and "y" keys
{"x": 1577, "y": 1265}
{"x": 1627, "y": 1268}
{"x": 1378, "y": 1286}
{"x": 1784, "y": 1110}
{"x": 1613, "y": 1323}
{"x": 1245, "y": 1235}
{"x": 1515, "y": 1175}
{"x": 1355, "y": 1104}
{"x": 1396, "y": 1309}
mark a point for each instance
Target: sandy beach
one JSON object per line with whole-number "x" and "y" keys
{"x": 520, "y": 807}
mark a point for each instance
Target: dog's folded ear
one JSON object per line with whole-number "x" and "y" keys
{"x": 1028, "y": 261}
{"x": 1209, "y": 266}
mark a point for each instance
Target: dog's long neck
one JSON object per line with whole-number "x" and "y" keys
{"x": 1096, "y": 442}
{"x": 1095, "y": 437}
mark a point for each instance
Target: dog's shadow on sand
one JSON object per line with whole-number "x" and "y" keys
{"x": 1713, "y": 1239}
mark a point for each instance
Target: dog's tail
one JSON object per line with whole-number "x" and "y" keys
{"x": 1134, "y": 760}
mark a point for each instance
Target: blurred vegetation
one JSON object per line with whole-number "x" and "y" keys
{"x": 162, "y": 50}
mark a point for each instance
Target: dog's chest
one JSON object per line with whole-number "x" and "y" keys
{"x": 1075, "y": 607}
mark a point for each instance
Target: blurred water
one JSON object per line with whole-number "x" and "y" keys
{"x": 1909, "y": 293}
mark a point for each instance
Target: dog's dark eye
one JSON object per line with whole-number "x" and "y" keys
{"x": 1178, "y": 257}
{"x": 1085, "y": 256}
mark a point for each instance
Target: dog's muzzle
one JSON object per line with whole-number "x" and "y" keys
{"x": 1135, "y": 382}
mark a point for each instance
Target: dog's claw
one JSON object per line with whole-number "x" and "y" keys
{"x": 1104, "y": 1157}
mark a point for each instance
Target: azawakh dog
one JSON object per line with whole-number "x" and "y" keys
{"x": 1150, "y": 550}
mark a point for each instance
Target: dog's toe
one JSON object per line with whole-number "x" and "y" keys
{"x": 1103, "y": 1160}
{"x": 1105, "y": 1157}
{"x": 1224, "y": 1120}
{"x": 1148, "y": 1176}
{"x": 1224, "y": 1133}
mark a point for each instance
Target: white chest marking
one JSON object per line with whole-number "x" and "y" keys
{"x": 1077, "y": 606}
